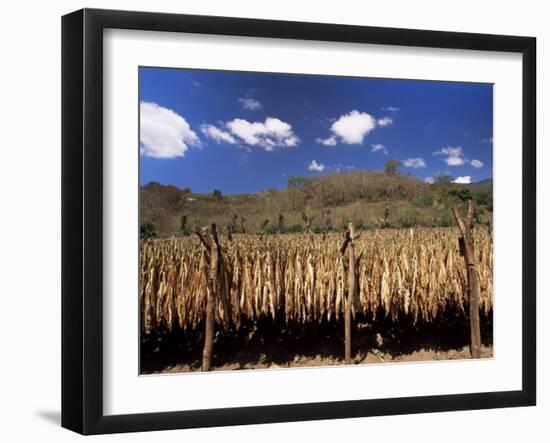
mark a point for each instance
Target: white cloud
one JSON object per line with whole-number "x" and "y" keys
{"x": 376, "y": 147}
{"x": 476, "y": 163}
{"x": 353, "y": 127}
{"x": 250, "y": 104}
{"x": 163, "y": 133}
{"x": 218, "y": 135}
{"x": 385, "y": 121}
{"x": 271, "y": 134}
{"x": 314, "y": 166}
{"x": 429, "y": 180}
{"x": 330, "y": 141}
{"x": 414, "y": 163}
{"x": 463, "y": 180}
{"x": 390, "y": 109}
{"x": 453, "y": 155}
{"x": 455, "y": 161}
{"x": 487, "y": 140}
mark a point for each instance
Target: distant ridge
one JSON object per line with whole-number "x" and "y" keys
{"x": 367, "y": 198}
{"x": 486, "y": 183}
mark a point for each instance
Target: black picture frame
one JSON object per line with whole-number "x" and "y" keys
{"x": 82, "y": 219}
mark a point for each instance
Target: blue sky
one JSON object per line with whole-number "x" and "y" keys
{"x": 247, "y": 132}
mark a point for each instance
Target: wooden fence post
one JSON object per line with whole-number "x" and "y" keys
{"x": 209, "y": 322}
{"x": 466, "y": 243}
{"x": 211, "y": 244}
{"x": 349, "y": 237}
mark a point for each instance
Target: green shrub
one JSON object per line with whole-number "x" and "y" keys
{"x": 484, "y": 197}
{"x": 183, "y": 226}
{"x": 281, "y": 224}
{"x": 273, "y": 229}
{"x": 297, "y": 228}
{"x": 360, "y": 225}
{"x": 423, "y": 200}
{"x": 463, "y": 194}
{"x": 147, "y": 230}
{"x": 264, "y": 226}
{"x": 409, "y": 218}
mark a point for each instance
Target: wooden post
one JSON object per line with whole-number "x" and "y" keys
{"x": 349, "y": 236}
{"x": 215, "y": 282}
{"x": 221, "y": 280}
{"x": 209, "y": 322}
{"x": 466, "y": 243}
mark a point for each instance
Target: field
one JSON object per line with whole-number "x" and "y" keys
{"x": 282, "y": 294}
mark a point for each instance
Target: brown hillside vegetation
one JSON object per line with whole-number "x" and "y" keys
{"x": 325, "y": 203}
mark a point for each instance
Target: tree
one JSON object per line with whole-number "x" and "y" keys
{"x": 264, "y": 225}
{"x": 307, "y": 220}
{"x": 443, "y": 179}
{"x": 386, "y": 215}
{"x": 243, "y": 225}
{"x": 233, "y": 224}
{"x": 295, "y": 182}
{"x": 217, "y": 194}
{"x": 281, "y": 224}
{"x": 463, "y": 194}
{"x": 390, "y": 167}
{"x": 183, "y": 225}
{"x": 484, "y": 197}
{"x": 147, "y": 230}
{"x": 327, "y": 220}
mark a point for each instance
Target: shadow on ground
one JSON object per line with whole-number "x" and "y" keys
{"x": 53, "y": 417}
{"x": 268, "y": 344}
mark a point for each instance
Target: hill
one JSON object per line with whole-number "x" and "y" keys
{"x": 368, "y": 198}
{"x": 482, "y": 184}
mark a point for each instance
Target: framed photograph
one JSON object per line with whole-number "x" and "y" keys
{"x": 269, "y": 221}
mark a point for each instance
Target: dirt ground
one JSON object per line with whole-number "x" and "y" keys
{"x": 373, "y": 356}
{"x": 267, "y": 345}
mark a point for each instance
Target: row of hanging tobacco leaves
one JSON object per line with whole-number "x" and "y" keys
{"x": 409, "y": 273}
